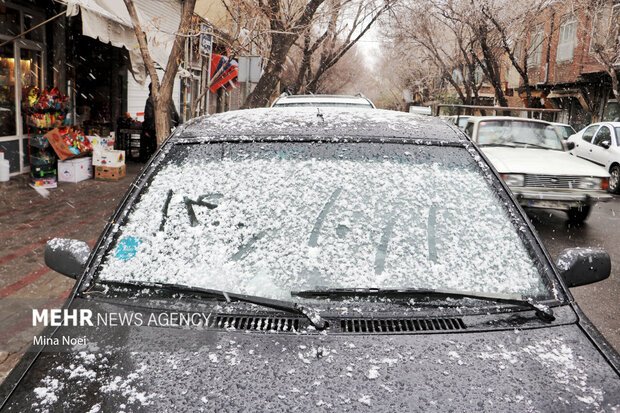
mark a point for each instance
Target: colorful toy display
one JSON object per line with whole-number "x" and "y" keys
{"x": 69, "y": 142}
{"x": 47, "y": 109}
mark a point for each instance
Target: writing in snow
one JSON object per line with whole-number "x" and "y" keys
{"x": 86, "y": 318}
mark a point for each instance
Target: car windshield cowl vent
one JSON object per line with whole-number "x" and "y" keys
{"x": 400, "y": 325}
{"x": 256, "y": 323}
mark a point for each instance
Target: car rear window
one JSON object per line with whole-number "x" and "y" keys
{"x": 269, "y": 218}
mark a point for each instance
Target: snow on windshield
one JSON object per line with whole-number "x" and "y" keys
{"x": 267, "y": 219}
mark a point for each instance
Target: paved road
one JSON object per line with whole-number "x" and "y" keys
{"x": 600, "y": 301}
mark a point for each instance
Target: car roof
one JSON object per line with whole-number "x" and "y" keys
{"x": 516, "y": 118}
{"x": 560, "y": 124}
{"x": 342, "y": 99}
{"x": 299, "y": 123}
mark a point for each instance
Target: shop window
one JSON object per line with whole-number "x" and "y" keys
{"x": 566, "y": 43}
{"x": 7, "y": 92}
{"x": 9, "y": 21}
{"x": 536, "y": 46}
{"x": 31, "y": 75}
{"x": 11, "y": 153}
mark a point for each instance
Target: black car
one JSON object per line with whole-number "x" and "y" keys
{"x": 290, "y": 259}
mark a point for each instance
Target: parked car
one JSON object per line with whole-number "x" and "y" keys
{"x": 459, "y": 121}
{"x": 350, "y": 101}
{"x": 350, "y": 261}
{"x": 600, "y": 143}
{"x": 564, "y": 130}
{"x": 535, "y": 163}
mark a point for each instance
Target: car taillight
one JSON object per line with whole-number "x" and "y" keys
{"x": 605, "y": 183}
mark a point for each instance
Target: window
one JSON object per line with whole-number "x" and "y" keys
{"x": 536, "y": 46}
{"x": 589, "y": 133}
{"x": 566, "y": 43}
{"x": 605, "y": 28}
{"x": 603, "y": 135}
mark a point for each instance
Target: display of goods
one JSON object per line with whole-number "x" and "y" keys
{"x": 47, "y": 109}
{"x": 45, "y": 182}
{"x": 43, "y": 171}
{"x": 39, "y": 141}
{"x": 68, "y": 142}
{"x": 42, "y": 159}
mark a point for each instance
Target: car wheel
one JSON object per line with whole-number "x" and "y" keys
{"x": 614, "y": 180}
{"x": 578, "y": 214}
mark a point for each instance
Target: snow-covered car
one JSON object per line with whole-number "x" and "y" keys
{"x": 341, "y": 101}
{"x": 286, "y": 260}
{"x": 535, "y": 163}
{"x": 600, "y": 143}
{"x": 564, "y": 129}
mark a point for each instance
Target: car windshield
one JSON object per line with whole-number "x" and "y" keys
{"x": 566, "y": 131}
{"x": 518, "y": 133}
{"x": 270, "y": 218}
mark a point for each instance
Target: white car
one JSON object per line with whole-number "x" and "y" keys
{"x": 460, "y": 121}
{"x": 600, "y": 143}
{"x": 357, "y": 101}
{"x": 564, "y": 129}
{"x": 535, "y": 164}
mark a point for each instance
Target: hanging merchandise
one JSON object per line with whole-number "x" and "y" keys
{"x": 47, "y": 109}
{"x": 224, "y": 73}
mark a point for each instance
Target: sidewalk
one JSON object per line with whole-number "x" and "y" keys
{"x": 27, "y": 221}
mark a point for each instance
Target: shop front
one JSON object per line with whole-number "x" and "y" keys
{"x": 22, "y": 65}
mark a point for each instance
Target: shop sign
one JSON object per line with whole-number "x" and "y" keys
{"x": 206, "y": 40}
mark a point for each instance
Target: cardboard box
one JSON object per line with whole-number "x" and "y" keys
{"x": 75, "y": 170}
{"x": 109, "y": 173}
{"x": 68, "y": 143}
{"x": 101, "y": 142}
{"x": 108, "y": 158}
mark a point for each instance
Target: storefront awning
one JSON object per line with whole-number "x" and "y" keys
{"x": 569, "y": 93}
{"x": 109, "y": 22}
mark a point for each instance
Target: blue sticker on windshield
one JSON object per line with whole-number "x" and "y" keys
{"x": 127, "y": 248}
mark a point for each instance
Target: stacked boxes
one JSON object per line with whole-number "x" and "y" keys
{"x": 109, "y": 164}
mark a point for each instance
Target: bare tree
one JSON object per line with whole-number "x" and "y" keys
{"x": 287, "y": 21}
{"x": 606, "y": 40}
{"x": 162, "y": 91}
{"x": 430, "y": 35}
{"x": 347, "y": 22}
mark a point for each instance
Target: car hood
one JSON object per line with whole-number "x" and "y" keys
{"x": 540, "y": 162}
{"x": 165, "y": 369}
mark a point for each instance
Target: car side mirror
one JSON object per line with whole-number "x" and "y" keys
{"x": 582, "y": 266}
{"x": 606, "y": 144}
{"x": 570, "y": 145}
{"x": 67, "y": 256}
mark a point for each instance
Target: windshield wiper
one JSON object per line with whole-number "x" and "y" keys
{"x": 497, "y": 144}
{"x": 290, "y": 307}
{"x": 532, "y": 145}
{"x": 543, "y": 312}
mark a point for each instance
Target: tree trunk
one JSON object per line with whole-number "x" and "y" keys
{"x": 162, "y": 92}
{"x": 280, "y": 46}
